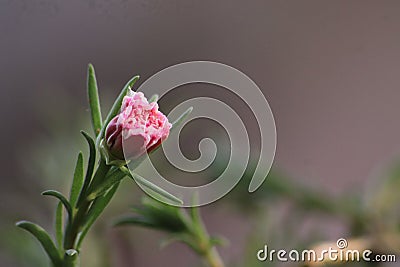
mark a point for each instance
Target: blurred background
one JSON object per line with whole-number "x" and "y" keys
{"x": 329, "y": 69}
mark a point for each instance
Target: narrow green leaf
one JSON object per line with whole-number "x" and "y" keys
{"x": 196, "y": 219}
{"x": 218, "y": 241}
{"x": 197, "y": 223}
{"x": 78, "y": 181}
{"x": 59, "y": 224}
{"x": 90, "y": 167}
{"x": 94, "y": 103}
{"x": 154, "y": 98}
{"x": 184, "y": 238}
{"x": 112, "y": 178}
{"x": 153, "y": 187}
{"x": 181, "y": 118}
{"x": 153, "y": 219}
{"x": 116, "y": 106}
{"x": 60, "y": 197}
{"x": 44, "y": 239}
{"x": 95, "y": 210}
{"x": 135, "y": 220}
{"x": 99, "y": 176}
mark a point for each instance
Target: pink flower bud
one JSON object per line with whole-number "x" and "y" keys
{"x": 138, "y": 128}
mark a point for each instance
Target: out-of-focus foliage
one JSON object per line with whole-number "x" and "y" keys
{"x": 182, "y": 226}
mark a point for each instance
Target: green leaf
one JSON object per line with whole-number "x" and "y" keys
{"x": 60, "y": 197}
{"x": 59, "y": 224}
{"x": 218, "y": 241}
{"x": 90, "y": 167}
{"x": 154, "y": 98}
{"x": 44, "y": 239}
{"x": 159, "y": 216}
{"x": 99, "y": 176}
{"x": 185, "y": 238}
{"x": 94, "y": 102}
{"x": 77, "y": 182}
{"x": 152, "y": 186}
{"x": 197, "y": 223}
{"x": 95, "y": 210}
{"x": 112, "y": 178}
{"x": 181, "y": 118}
{"x": 116, "y": 106}
{"x": 135, "y": 220}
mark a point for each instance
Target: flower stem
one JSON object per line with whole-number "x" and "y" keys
{"x": 78, "y": 220}
{"x": 71, "y": 258}
{"x": 73, "y": 230}
{"x": 208, "y": 250}
{"x": 213, "y": 258}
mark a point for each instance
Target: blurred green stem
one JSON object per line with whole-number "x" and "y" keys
{"x": 213, "y": 258}
{"x": 207, "y": 248}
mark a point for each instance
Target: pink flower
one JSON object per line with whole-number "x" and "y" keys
{"x": 138, "y": 128}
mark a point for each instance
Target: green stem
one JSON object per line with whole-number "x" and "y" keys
{"x": 78, "y": 220}
{"x": 73, "y": 230}
{"x": 71, "y": 258}
{"x": 101, "y": 173}
{"x": 209, "y": 252}
{"x": 213, "y": 258}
